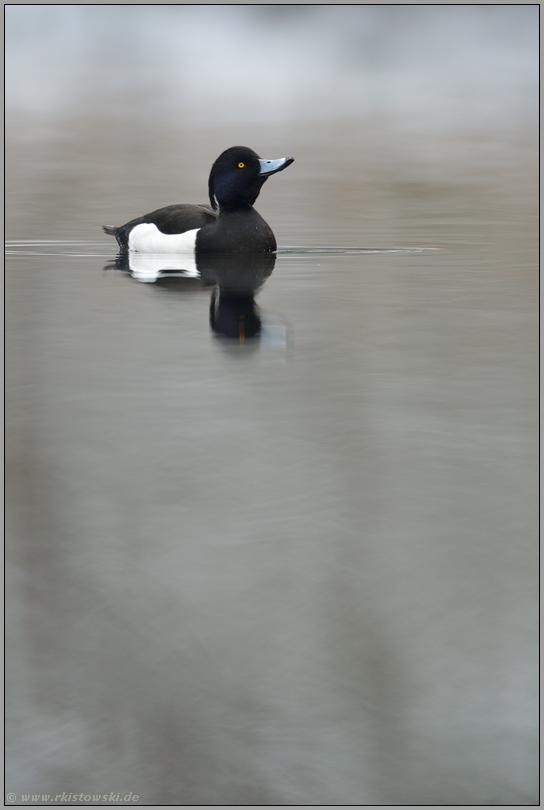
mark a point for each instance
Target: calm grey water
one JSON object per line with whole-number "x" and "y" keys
{"x": 296, "y": 569}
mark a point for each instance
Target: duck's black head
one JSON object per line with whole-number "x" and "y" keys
{"x": 237, "y": 176}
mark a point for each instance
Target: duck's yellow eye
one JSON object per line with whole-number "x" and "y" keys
{"x": 241, "y": 165}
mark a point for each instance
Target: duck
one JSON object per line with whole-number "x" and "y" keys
{"x": 229, "y": 224}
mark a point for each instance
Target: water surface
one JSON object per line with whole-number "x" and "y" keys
{"x": 295, "y": 568}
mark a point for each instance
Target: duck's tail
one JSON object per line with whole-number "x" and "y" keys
{"x": 118, "y": 233}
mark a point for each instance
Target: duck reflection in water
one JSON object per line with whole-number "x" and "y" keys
{"x": 234, "y": 278}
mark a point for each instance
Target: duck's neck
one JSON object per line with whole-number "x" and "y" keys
{"x": 229, "y": 209}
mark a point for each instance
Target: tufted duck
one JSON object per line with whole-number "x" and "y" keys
{"x": 230, "y": 225}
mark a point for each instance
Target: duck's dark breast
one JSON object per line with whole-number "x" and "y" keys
{"x": 240, "y": 231}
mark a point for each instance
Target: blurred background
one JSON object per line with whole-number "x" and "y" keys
{"x": 377, "y": 97}
{"x": 301, "y": 570}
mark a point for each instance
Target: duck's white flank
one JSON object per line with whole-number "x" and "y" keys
{"x": 146, "y": 238}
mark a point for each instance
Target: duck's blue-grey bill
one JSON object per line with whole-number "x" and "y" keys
{"x": 269, "y": 167}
